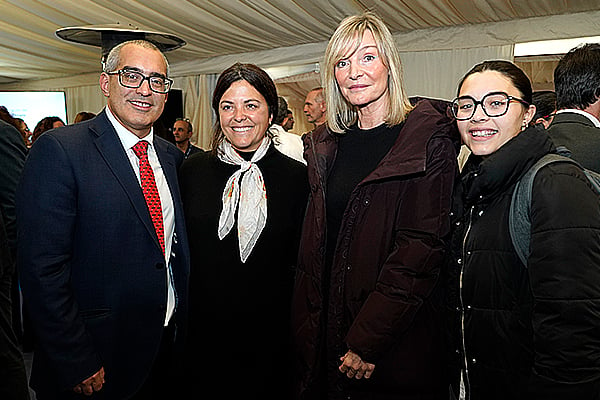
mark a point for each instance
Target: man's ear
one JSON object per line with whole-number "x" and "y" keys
{"x": 104, "y": 84}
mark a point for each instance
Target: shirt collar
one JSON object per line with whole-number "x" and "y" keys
{"x": 127, "y": 138}
{"x": 589, "y": 116}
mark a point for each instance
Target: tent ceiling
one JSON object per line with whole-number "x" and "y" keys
{"x": 30, "y": 50}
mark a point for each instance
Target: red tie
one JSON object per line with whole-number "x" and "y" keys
{"x": 150, "y": 191}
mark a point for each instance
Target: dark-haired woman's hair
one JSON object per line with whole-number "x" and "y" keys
{"x": 83, "y": 116}
{"x": 6, "y": 116}
{"x": 44, "y": 125}
{"x": 255, "y": 76}
{"x": 515, "y": 74}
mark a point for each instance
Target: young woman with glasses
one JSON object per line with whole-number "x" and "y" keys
{"x": 520, "y": 331}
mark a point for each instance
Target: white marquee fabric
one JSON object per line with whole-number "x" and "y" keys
{"x": 439, "y": 41}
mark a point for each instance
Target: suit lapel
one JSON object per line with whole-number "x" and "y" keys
{"x": 167, "y": 163}
{"x": 108, "y": 144}
{"x": 170, "y": 168}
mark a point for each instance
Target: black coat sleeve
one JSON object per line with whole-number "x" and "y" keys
{"x": 12, "y": 158}
{"x": 564, "y": 271}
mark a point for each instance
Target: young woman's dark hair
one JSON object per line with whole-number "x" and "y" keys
{"x": 256, "y": 77}
{"x": 516, "y": 75}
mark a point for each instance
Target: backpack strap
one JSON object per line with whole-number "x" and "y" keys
{"x": 519, "y": 219}
{"x": 593, "y": 176}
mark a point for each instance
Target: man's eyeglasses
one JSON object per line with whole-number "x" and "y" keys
{"x": 494, "y": 104}
{"x": 133, "y": 80}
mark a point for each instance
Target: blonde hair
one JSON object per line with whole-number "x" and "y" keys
{"x": 345, "y": 41}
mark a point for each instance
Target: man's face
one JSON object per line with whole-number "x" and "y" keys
{"x": 136, "y": 109}
{"x": 181, "y": 131}
{"x": 314, "y": 109}
{"x": 288, "y": 122}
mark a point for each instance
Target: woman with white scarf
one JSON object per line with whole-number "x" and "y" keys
{"x": 244, "y": 202}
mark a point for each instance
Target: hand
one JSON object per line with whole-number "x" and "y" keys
{"x": 92, "y": 384}
{"x": 354, "y": 367}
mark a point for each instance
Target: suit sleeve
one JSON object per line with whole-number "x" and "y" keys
{"x": 564, "y": 271}
{"x": 46, "y": 217}
{"x": 412, "y": 268}
{"x": 12, "y": 150}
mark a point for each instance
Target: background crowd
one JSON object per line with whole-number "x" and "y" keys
{"x": 364, "y": 259}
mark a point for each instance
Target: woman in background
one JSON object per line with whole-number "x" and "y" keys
{"x": 367, "y": 303}
{"x": 243, "y": 203}
{"x": 83, "y": 116}
{"x": 45, "y": 124}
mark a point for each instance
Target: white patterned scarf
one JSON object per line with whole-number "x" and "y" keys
{"x": 250, "y": 194}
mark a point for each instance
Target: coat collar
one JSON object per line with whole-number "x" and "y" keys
{"x": 407, "y": 156}
{"x": 575, "y": 116}
{"x": 485, "y": 178}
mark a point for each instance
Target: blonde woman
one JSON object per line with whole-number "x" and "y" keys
{"x": 366, "y": 313}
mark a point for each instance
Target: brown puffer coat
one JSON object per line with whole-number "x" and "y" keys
{"x": 384, "y": 289}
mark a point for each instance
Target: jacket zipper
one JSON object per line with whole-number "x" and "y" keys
{"x": 465, "y": 375}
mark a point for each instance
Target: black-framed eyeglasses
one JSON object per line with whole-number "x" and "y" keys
{"x": 133, "y": 80}
{"x": 494, "y": 104}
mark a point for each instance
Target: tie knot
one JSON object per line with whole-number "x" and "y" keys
{"x": 141, "y": 148}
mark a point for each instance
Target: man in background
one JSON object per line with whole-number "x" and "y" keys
{"x": 545, "y": 107}
{"x": 576, "y": 124}
{"x": 13, "y": 379}
{"x": 287, "y": 143}
{"x": 102, "y": 248}
{"x": 314, "y": 107}
{"x": 183, "y": 131}
{"x": 288, "y": 121}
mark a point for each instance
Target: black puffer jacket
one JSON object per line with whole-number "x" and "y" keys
{"x": 529, "y": 333}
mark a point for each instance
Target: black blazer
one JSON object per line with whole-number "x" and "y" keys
{"x": 578, "y": 134}
{"x": 92, "y": 270}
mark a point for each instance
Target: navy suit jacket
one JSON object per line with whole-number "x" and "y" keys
{"x": 92, "y": 270}
{"x": 578, "y": 134}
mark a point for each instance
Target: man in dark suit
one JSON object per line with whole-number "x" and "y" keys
{"x": 105, "y": 270}
{"x": 576, "y": 125}
{"x": 13, "y": 381}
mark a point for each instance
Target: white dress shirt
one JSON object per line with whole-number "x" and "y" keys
{"x": 287, "y": 143}
{"x": 128, "y": 140}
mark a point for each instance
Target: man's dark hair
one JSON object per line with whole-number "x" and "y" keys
{"x": 545, "y": 104}
{"x": 281, "y": 111}
{"x": 577, "y": 77}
